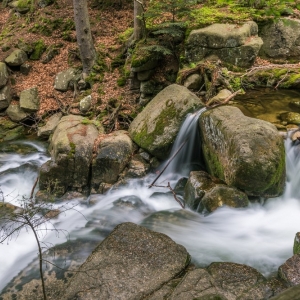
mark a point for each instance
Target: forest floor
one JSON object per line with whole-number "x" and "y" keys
{"x": 106, "y": 24}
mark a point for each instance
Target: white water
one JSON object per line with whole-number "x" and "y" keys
{"x": 259, "y": 235}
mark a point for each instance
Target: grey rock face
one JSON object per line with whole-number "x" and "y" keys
{"x": 156, "y": 127}
{"x": 5, "y": 97}
{"x": 15, "y": 113}
{"x": 131, "y": 263}
{"x": 64, "y": 78}
{"x": 3, "y": 74}
{"x": 16, "y": 58}
{"x": 244, "y": 152}
{"x": 113, "y": 154}
{"x": 281, "y": 39}
{"x": 50, "y": 126}
{"x": 234, "y": 44}
{"x": 290, "y": 270}
{"x": 71, "y": 151}
{"x": 29, "y": 100}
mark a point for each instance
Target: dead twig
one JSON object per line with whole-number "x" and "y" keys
{"x": 168, "y": 162}
{"x": 224, "y": 102}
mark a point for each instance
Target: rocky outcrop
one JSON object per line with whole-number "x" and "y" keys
{"x": 71, "y": 151}
{"x": 112, "y": 155}
{"x": 244, "y": 152}
{"x": 233, "y": 44}
{"x": 125, "y": 265}
{"x": 156, "y": 127}
{"x": 281, "y": 39}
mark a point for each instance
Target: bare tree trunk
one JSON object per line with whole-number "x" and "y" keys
{"x": 84, "y": 36}
{"x": 139, "y": 26}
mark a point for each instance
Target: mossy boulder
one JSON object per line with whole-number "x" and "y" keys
{"x": 156, "y": 127}
{"x": 244, "y": 152}
{"x": 3, "y": 74}
{"x": 281, "y": 39}
{"x": 71, "y": 150}
{"x": 16, "y": 58}
{"x": 234, "y": 44}
{"x": 64, "y": 79}
{"x": 112, "y": 155}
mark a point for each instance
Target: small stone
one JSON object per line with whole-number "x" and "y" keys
{"x": 29, "y": 100}
{"x": 15, "y": 113}
{"x": 85, "y": 104}
{"x": 25, "y": 68}
{"x": 16, "y": 58}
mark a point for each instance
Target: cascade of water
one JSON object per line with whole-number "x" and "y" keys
{"x": 259, "y": 235}
{"x": 190, "y": 156}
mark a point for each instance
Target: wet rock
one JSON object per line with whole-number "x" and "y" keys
{"x": 180, "y": 185}
{"x": 16, "y": 58}
{"x": 48, "y": 129}
{"x": 296, "y": 248}
{"x": 112, "y": 155}
{"x": 291, "y": 117}
{"x": 127, "y": 262}
{"x": 295, "y": 136}
{"x": 220, "y": 97}
{"x": 29, "y": 100}
{"x": 221, "y": 195}
{"x": 137, "y": 167}
{"x": 198, "y": 183}
{"x": 290, "y": 270}
{"x": 246, "y": 153}
{"x": 155, "y": 128}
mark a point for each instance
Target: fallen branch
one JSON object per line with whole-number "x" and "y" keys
{"x": 32, "y": 190}
{"x": 278, "y": 83}
{"x": 168, "y": 162}
{"x": 174, "y": 194}
{"x": 225, "y": 101}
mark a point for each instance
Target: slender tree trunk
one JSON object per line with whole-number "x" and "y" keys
{"x": 84, "y": 36}
{"x": 139, "y": 26}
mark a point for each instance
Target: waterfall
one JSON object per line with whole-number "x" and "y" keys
{"x": 190, "y": 156}
{"x": 260, "y": 235}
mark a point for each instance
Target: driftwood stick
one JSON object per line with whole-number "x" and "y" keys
{"x": 224, "y": 102}
{"x": 168, "y": 162}
{"x": 173, "y": 192}
{"x": 32, "y": 190}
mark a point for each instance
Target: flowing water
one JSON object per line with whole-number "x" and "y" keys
{"x": 260, "y": 235}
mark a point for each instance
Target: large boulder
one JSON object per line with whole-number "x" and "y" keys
{"x": 233, "y": 44}
{"x": 113, "y": 153}
{"x": 281, "y": 39}
{"x": 3, "y": 74}
{"x": 244, "y": 152}
{"x": 156, "y": 127}
{"x": 71, "y": 149}
{"x": 131, "y": 263}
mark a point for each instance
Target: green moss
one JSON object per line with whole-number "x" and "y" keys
{"x": 72, "y": 151}
{"x": 292, "y": 81}
{"x": 124, "y": 36}
{"x": 38, "y": 50}
{"x": 23, "y": 4}
{"x": 121, "y": 81}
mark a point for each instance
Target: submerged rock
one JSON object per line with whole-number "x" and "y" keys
{"x": 246, "y": 153}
